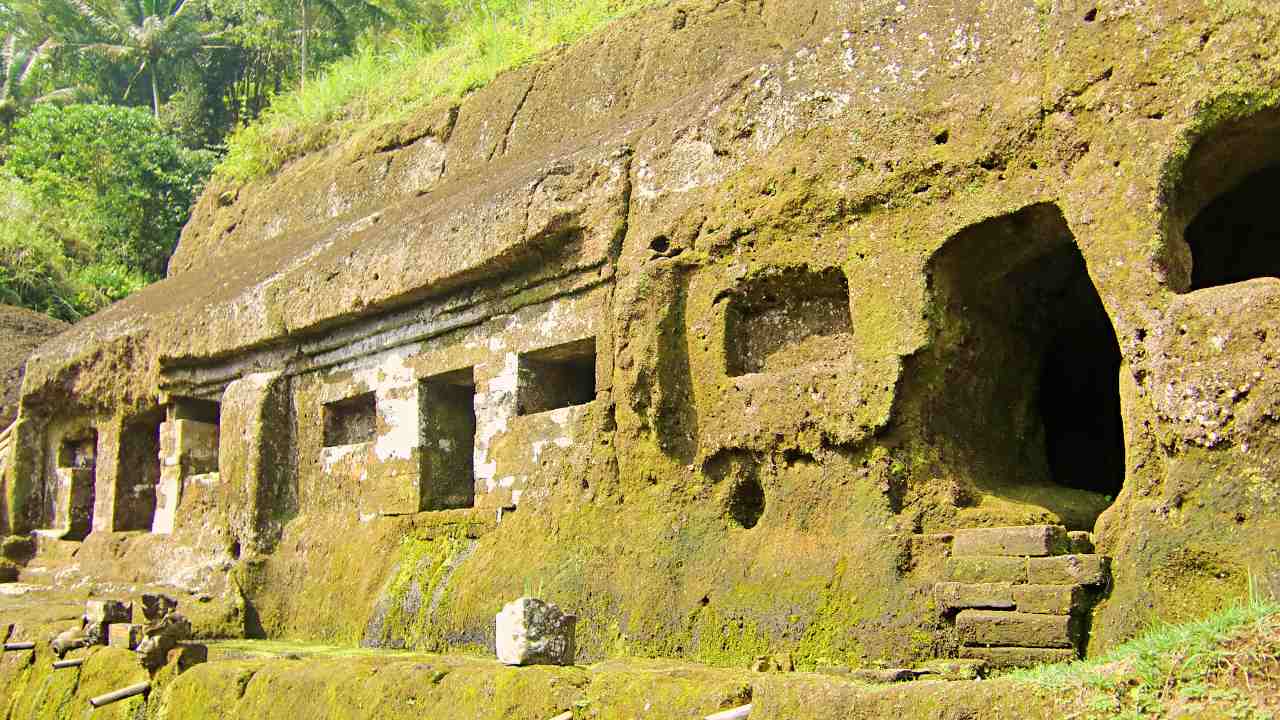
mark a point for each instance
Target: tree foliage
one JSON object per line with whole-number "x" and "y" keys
{"x": 96, "y": 196}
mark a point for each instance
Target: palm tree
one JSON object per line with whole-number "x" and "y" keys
{"x": 149, "y": 32}
{"x": 18, "y": 67}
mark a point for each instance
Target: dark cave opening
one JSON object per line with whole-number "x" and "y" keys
{"x": 1236, "y": 237}
{"x": 135, "y": 500}
{"x": 1079, "y": 398}
{"x": 448, "y": 428}
{"x": 1022, "y": 384}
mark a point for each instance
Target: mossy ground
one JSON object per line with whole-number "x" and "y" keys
{"x": 1221, "y": 666}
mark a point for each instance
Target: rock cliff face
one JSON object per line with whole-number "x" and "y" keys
{"x": 716, "y": 327}
{"x": 22, "y": 330}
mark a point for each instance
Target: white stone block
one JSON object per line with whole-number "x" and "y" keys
{"x": 533, "y": 632}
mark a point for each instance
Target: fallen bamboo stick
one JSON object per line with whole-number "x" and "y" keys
{"x": 566, "y": 715}
{"x": 738, "y": 713}
{"x": 121, "y": 694}
{"x": 74, "y": 662}
{"x": 20, "y": 646}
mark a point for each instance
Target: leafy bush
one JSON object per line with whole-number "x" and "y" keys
{"x": 118, "y": 184}
{"x": 34, "y": 269}
{"x": 388, "y": 81}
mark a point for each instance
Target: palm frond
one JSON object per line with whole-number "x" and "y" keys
{"x": 10, "y": 46}
{"x": 129, "y": 88}
{"x": 36, "y": 56}
{"x": 99, "y": 23}
{"x": 61, "y": 95}
{"x": 115, "y": 52}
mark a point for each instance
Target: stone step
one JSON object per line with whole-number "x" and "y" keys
{"x": 1049, "y": 599}
{"x": 1069, "y": 570}
{"x": 1016, "y": 629}
{"x": 1081, "y": 542}
{"x": 980, "y": 569}
{"x": 967, "y": 596}
{"x": 1035, "y": 599}
{"x": 1056, "y": 570}
{"x": 1006, "y": 657}
{"x": 1018, "y": 541}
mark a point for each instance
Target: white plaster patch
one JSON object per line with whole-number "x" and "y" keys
{"x": 331, "y": 456}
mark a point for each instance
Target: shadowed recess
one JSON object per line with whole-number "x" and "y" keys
{"x": 1237, "y": 237}
{"x": 1023, "y": 377}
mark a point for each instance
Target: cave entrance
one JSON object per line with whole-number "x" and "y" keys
{"x": 1236, "y": 237}
{"x": 139, "y": 472}
{"x": 1024, "y": 375}
{"x": 448, "y": 426}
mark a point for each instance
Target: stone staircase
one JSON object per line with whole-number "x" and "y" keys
{"x": 1022, "y": 596}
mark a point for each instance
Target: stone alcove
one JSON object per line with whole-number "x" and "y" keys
{"x": 1019, "y": 389}
{"x": 1220, "y": 223}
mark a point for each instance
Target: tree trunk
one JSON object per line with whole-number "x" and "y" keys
{"x": 306, "y": 30}
{"x": 155, "y": 92}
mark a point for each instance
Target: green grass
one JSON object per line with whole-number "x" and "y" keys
{"x": 387, "y": 83}
{"x": 1227, "y": 662}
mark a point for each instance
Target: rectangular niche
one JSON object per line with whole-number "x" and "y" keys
{"x": 447, "y": 410}
{"x": 197, "y": 410}
{"x": 788, "y": 319}
{"x": 557, "y": 377}
{"x": 76, "y": 472}
{"x": 80, "y": 451}
{"x": 138, "y": 473}
{"x": 351, "y": 421}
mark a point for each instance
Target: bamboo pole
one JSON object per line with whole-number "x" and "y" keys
{"x": 738, "y": 713}
{"x": 566, "y": 715}
{"x": 121, "y": 694}
{"x": 62, "y": 664}
{"x": 20, "y": 646}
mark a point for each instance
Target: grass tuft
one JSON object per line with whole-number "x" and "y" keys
{"x": 1227, "y": 663}
{"x": 387, "y": 82}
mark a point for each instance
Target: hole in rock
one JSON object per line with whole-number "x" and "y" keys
{"x": 557, "y": 377}
{"x": 660, "y": 244}
{"x": 746, "y": 502}
{"x": 197, "y": 410}
{"x": 448, "y": 416}
{"x": 139, "y": 472}
{"x": 787, "y": 319}
{"x": 1237, "y": 236}
{"x": 351, "y": 421}
{"x": 1091, "y": 15}
{"x": 942, "y": 137}
{"x": 1022, "y": 381}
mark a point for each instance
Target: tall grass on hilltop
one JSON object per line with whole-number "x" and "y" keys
{"x": 386, "y": 81}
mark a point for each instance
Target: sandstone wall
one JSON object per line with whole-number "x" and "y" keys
{"x": 831, "y": 255}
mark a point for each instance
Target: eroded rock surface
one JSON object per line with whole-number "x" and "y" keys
{"x": 748, "y": 315}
